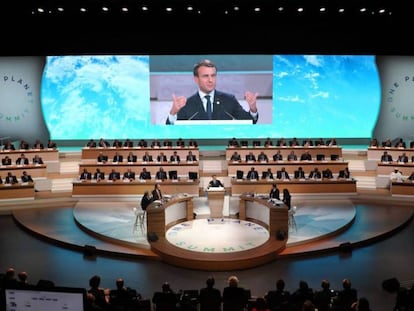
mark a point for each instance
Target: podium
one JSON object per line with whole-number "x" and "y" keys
{"x": 215, "y": 197}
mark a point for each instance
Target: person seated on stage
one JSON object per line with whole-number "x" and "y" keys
{"x": 282, "y": 142}
{"x": 387, "y": 143}
{"x": 180, "y": 143}
{"x": 396, "y": 175}
{"x": 374, "y": 143}
{"x": 102, "y": 143}
{"x": 26, "y": 177}
{"x": 411, "y": 177}
{"x": 252, "y": 174}
{"x": 98, "y": 175}
{"x": 262, "y": 157}
{"x": 117, "y": 157}
{"x": 114, "y": 175}
{"x": 299, "y": 173}
{"x": 306, "y": 156}
{"x": 166, "y": 299}
{"x": 327, "y": 174}
{"x": 37, "y": 160}
{"x": 22, "y": 160}
{"x": 278, "y": 156}
{"x": 167, "y": 143}
{"x": 274, "y": 192}
{"x": 307, "y": 143}
{"x": 24, "y": 145}
{"x": 10, "y": 179}
{"x": 129, "y": 175}
{"x": 268, "y": 142}
{"x": 128, "y": 143}
{"x": 292, "y": 156}
{"x": 6, "y": 161}
{"x": 250, "y": 157}
{"x": 331, "y": 142}
{"x": 346, "y": 174}
{"x": 146, "y": 200}
{"x": 320, "y": 142}
{"x": 315, "y": 174}
{"x": 102, "y": 158}
{"x": 282, "y": 174}
{"x": 400, "y": 143}
{"x": 142, "y": 143}
{"x": 385, "y": 158}
{"x": 161, "y": 174}
{"x": 235, "y": 157}
{"x": 51, "y": 144}
{"x": 38, "y": 144}
{"x": 192, "y": 143}
{"x": 294, "y": 142}
{"x": 175, "y": 158}
{"x": 85, "y": 175}
{"x": 162, "y": 157}
{"x": 403, "y": 158}
{"x": 91, "y": 143}
{"x": 131, "y": 158}
{"x": 117, "y": 143}
{"x": 267, "y": 174}
{"x": 8, "y": 145}
{"x": 156, "y": 144}
{"x": 214, "y": 182}
{"x": 147, "y": 157}
{"x": 233, "y": 143}
{"x": 191, "y": 157}
{"x": 156, "y": 192}
{"x": 144, "y": 175}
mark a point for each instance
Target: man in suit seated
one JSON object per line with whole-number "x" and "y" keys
{"x": 98, "y": 175}
{"x": 161, "y": 174}
{"x": 191, "y": 157}
{"x": 344, "y": 173}
{"x": 306, "y": 156}
{"x": 10, "y": 179}
{"x": 6, "y": 160}
{"x": 102, "y": 158}
{"x": 315, "y": 174}
{"x": 37, "y": 160}
{"x": 267, "y": 174}
{"x": 114, "y": 175}
{"x": 129, "y": 175}
{"x": 278, "y": 156}
{"x": 175, "y": 158}
{"x": 403, "y": 158}
{"x": 209, "y": 103}
{"x": 250, "y": 157}
{"x": 144, "y": 174}
{"x": 262, "y": 157}
{"x": 85, "y": 175}
{"x": 292, "y": 156}
{"x": 252, "y": 174}
{"x": 235, "y": 157}
{"x": 386, "y": 157}
{"x": 161, "y": 157}
{"x": 327, "y": 174}
{"x": 282, "y": 174}
{"x": 147, "y": 157}
{"x": 299, "y": 173}
{"x": 131, "y": 158}
{"x": 26, "y": 177}
{"x": 117, "y": 157}
{"x": 22, "y": 160}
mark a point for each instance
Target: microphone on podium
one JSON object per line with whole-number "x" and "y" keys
{"x": 193, "y": 116}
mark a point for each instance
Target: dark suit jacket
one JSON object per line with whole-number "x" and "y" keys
{"x": 118, "y": 158}
{"x": 274, "y": 193}
{"x": 146, "y": 158}
{"x": 145, "y": 175}
{"x": 11, "y": 180}
{"x": 175, "y": 158}
{"x": 252, "y": 175}
{"x": 114, "y": 175}
{"x": 86, "y": 175}
{"x": 27, "y": 178}
{"x": 161, "y": 175}
{"x": 234, "y": 299}
{"x": 100, "y": 175}
{"x": 162, "y": 158}
{"x": 282, "y": 174}
{"x": 225, "y": 107}
{"x": 299, "y": 174}
{"x": 21, "y": 161}
{"x": 132, "y": 158}
{"x": 129, "y": 175}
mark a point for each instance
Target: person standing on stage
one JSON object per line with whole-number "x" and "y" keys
{"x": 274, "y": 192}
{"x": 156, "y": 193}
{"x": 215, "y": 182}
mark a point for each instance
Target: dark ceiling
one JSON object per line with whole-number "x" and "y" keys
{"x": 229, "y": 27}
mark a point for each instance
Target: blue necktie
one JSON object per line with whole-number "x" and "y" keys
{"x": 208, "y": 106}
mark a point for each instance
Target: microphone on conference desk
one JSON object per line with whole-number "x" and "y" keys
{"x": 190, "y": 118}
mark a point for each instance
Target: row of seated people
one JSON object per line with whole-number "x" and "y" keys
{"x": 131, "y": 175}
{"x": 22, "y": 160}
{"x": 278, "y": 156}
{"x": 388, "y": 143}
{"x": 282, "y": 142}
{"x": 402, "y": 158}
{"x": 25, "y": 145}
{"x": 128, "y": 143}
{"x": 147, "y": 157}
{"x": 283, "y": 174}
{"x": 12, "y": 179}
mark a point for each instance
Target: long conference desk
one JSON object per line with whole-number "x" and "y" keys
{"x": 239, "y": 187}
{"x": 374, "y": 154}
{"x": 92, "y": 153}
{"x": 17, "y": 191}
{"x": 385, "y": 168}
{"x": 47, "y": 155}
{"x": 17, "y": 170}
{"x": 290, "y": 166}
{"x": 327, "y": 151}
{"x": 122, "y": 188}
{"x": 405, "y": 187}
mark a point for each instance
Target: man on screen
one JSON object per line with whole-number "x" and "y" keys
{"x": 209, "y": 103}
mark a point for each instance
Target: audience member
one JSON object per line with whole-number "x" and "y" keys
{"x": 123, "y": 298}
{"x": 155, "y": 144}
{"x": 85, "y": 175}
{"x": 299, "y": 173}
{"x": 294, "y": 142}
{"x": 315, "y": 174}
{"x": 323, "y": 298}
{"x": 147, "y": 157}
{"x": 23, "y": 279}
{"x": 331, "y": 142}
{"x": 6, "y": 160}
{"x": 385, "y": 157}
{"x": 114, "y": 175}
{"x": 235, "y": 157}
{"x": 262, "y": 157}
{"x": 102, "y": 143}
{"x": 411, "y": 177}
{"x": 142, "y": 143}
{"x": 128, "y": 143}
{"x": 300, "y": 295}
{"x": 117, "y": 143}
{"x": 192, "y": 143}
{"x": 175, "y": 157}
{"x": 129, "y": 175}
{"x": 400, "y": 143}
{"x": 37, "y": 160}
{"x": 145, "y": 175}
{"x": 403, "y": 158}
{"x": 8, "y": 145}
{"x": 101, "y": 299}
{"x": 292, "y": 156}
{"x": 118, "y": 158}
{"x": 180, "y": 143}
{"x": 26, "y": 177}
{"x": 250, "y": 157}
{"x": 131, "y": 158}
{"x": 346, "y": 297}
{"x": 282, "y": 174}
{"x": 268, "y": 142}
{"x": 252, "y": 174}
{"x": 22, "y": 160}
{"x": 374, "y": 143}
{"x": 38, "y": 144}
{"x": 102, "y": 158}
{"x": 267, "y": 174}
{"x": 281, "y": 142}
{"x": 327, "y": 173}
{"x": 233, "y": 142}
{"x": 210, "y": 297}
{"x": 191, "y": 157}
{"x": 260, "y": 305}
{"x": 24, "y": 145}
{"x": 396, "y": 175}
{"x": 165, "y": 300}
{"x": 161, "y": 174}
{"x": 98, "y": 175}
{"x": 345, "y": 173}
{"x": 307, "y": 143}
{"x": 10, "y": 179}
{"x": 362, "y": 305}
{"x": 387, "y": 143}
{"x": 306, "y": 156}
{"x": 278, "y": 156}
{"x": 320, "y": 142}
{"x": 235, "y": 298}
{"x": 162, "y": 157}
{"x": 278, "y": 299}
{"x": 91, "y": 143}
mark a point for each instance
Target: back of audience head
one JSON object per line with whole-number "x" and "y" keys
{"x": 233, "y": 281}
